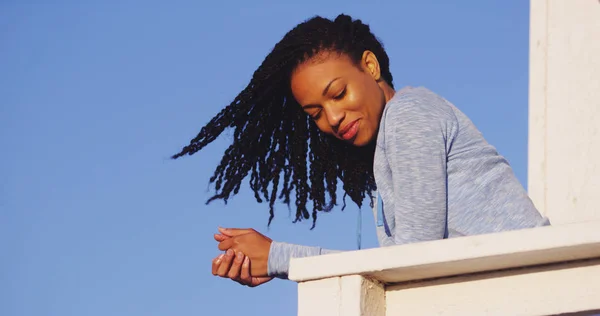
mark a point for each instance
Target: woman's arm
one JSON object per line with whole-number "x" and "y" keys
{"x": 281, "y": 253}
{"x": 416, "y": 138}
{"x": 418, "y": 130}
{"x": 267, "y": 257}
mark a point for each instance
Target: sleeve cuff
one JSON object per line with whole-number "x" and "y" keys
{"x": 280, "y": 254}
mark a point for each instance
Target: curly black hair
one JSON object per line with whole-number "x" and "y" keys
{"x": 274, "y": 137}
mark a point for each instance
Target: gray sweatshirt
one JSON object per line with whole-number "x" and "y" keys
{"x": 437, "y": 178}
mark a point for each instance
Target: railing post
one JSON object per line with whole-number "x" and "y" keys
{"x": 352, "y": 295}
{"x": 564, "y": 109}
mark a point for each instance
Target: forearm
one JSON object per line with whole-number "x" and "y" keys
{"x": 281, "y": 253}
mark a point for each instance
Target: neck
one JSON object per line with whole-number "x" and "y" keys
{"x": 388, "y": 92}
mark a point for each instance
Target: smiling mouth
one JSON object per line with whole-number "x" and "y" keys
{"x": 349, "y": 130}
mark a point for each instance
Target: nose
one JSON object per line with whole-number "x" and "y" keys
{"x": 335, "y": 116}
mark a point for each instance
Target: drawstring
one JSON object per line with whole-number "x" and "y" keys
{"x": 379, "y": 206}
{"x": 359, "y": 228}
{"x": 379, "y": 210}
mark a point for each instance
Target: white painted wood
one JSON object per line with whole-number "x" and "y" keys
{"x": 558, "y": 289}
{"x": 343, "y": 296}
{"x": 362, "y": 297}
{"x": 538, "y": 59}
{"x": 564, "y": 109}
{"x": 457, "y": 256}
{"x": 320, "y": 297}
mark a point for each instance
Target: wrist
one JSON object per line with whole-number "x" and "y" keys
{"x": 278, "y": 260}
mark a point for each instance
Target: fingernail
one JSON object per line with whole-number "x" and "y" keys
{"x": 239, "y": 256}
{"x": 246, "y": 262}
{"x": 220, "y": 258}
{"x": 229, "y": 252}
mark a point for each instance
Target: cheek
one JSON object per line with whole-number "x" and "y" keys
{"x": 324, "y": 126}
{"x": 361, "y": 99}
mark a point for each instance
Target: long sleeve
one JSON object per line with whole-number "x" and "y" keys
{"x": 281, "y": 253}
{"x": 416, "y": 151}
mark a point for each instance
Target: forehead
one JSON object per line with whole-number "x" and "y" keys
{"x": 312, "y": 76}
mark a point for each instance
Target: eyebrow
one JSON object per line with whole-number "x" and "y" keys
{"x": 308, "y": 106}
{"x": 329, "y": 85}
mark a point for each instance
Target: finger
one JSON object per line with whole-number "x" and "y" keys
{"x": 236, "y": 266}
{"x": 225, "y": 264}
{"x": 231, "y": 232}
{"x": 216, "y": 263}
{"x": 220, "y": 237}
{"x": 226, "y": 244}
{"x": 256, "y": 281}
{"x": 245, "y": 276}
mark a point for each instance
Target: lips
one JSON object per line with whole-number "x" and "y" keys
{"x": 349, "y": 131}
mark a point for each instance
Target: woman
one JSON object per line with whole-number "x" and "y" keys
{"x": 325, "y": 95}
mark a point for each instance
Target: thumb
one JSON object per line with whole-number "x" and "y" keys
{"x": 220, "y": 237}
{"x": 231, "y": 232}
{"x": 261, "y": 280}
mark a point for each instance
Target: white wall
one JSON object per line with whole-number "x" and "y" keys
{"x": 548, "y": 290}
{"x": 564, "y": 109}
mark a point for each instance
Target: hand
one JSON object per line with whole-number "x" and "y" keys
{"x": 253, "y": 244}
{"x": 237, "y": 269}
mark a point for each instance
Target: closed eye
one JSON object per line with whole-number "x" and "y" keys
{"x": 340, "y": 95}
{"x": 316, "y": 115}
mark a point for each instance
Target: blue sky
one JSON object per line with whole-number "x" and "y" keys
{"x": 95, "y": 219}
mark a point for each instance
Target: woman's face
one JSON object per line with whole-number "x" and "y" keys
{"x": 343, "y": 99}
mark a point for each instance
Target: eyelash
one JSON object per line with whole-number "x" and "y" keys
{"x": 337, "y": 97}
{"x": 341, "y": 95}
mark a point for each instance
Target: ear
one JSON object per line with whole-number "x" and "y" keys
{"x": 371, "y": 64}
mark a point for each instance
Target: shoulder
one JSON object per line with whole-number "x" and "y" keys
{"x": 418, "y": 111}
{"x": 418, "y": 103}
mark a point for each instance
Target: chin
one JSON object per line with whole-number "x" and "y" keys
{"x": 362, "y": 141}
{"x": 359, "y": 144}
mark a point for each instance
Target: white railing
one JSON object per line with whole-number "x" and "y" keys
{"x": 541, "y": 271}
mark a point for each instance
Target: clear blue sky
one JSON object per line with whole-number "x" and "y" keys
{"x": 96, "y": 95}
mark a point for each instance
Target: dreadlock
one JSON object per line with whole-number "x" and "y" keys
{"x": 274, "y": 140}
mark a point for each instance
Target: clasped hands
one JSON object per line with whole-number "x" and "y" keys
{"x": 246, "y": 256}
